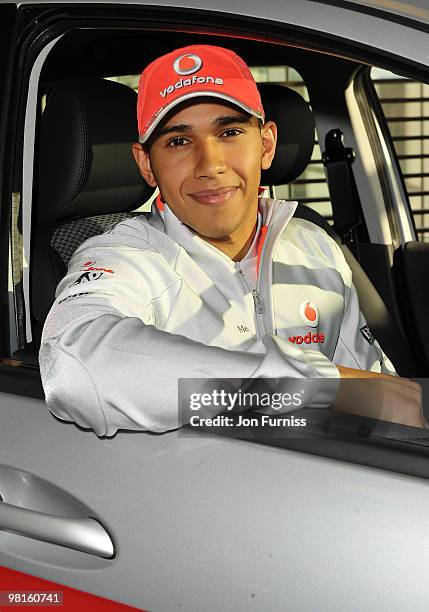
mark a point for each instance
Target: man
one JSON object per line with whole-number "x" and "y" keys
{"x": 217, "y": 282}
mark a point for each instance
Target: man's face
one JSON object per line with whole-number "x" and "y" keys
{"x": 206, "y": 160}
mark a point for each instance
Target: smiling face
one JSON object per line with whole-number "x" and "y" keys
{"x": 206, "y": 159}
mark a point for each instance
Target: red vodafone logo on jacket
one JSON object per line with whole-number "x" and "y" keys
{"x": 308, "y": 339}
{"x": 309, "y": 313}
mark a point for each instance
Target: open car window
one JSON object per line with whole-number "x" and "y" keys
{"x": 310, "y": 189}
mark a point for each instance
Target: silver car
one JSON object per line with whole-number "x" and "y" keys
{"x": 336, "y": 519}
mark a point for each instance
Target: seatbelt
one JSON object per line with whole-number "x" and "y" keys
{"x": 346, "y": 207}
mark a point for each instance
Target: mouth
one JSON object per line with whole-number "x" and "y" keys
{"x": 214, "y": 196}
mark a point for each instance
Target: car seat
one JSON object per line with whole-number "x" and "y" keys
{"x": 87, "y": 178}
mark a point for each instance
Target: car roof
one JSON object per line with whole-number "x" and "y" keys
{"x": 392, "y": 28}
{"x": 416, "y": 10}
{"x": 413, "y": 9}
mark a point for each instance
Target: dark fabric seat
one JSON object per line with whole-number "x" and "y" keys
{"x": 87, "y": 179}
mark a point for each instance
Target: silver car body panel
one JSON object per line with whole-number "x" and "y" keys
{"x": 218, "y": 524}
{"x": 412, "y": 9}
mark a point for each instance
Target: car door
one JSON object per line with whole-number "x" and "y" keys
{"x": 192, "y": 521}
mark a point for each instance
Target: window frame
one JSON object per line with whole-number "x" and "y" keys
{"x": 395, "y": 194}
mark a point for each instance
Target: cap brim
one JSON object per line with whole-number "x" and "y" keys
{"x": 190, "y": 96}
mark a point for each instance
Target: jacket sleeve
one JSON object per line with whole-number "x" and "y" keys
{"x": 107, "y": 369}
{"x": 357, "y": 347}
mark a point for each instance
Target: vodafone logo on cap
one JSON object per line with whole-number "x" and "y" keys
{"x": 309, "y": 313}
{"x": 187, "y": 64}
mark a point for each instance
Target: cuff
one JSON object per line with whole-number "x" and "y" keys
{"x": 326, "y": 381}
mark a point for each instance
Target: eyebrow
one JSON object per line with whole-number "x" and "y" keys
{"x": 218, "y": 122}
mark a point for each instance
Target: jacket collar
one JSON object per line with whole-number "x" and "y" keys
{"x": 276, "y": 214}
{"x": 220, "y": 268}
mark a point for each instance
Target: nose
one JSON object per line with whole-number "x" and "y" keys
{"x": 210, "y": 158}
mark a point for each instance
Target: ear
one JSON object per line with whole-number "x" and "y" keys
{"x": 141, "y": 155}
{"x": 269, "y": 142}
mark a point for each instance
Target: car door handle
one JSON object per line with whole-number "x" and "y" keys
{"x": 84, "y": 534}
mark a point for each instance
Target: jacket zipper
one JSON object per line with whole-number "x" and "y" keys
{"x": 259, "y": 302}
{"x": 259, "y": 307}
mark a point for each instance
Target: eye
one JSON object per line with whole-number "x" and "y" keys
{"x": 177, "y": 142}
{"x": 232, "y": 132}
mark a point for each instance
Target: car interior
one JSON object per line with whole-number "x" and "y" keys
{"x": 85, "y": 178}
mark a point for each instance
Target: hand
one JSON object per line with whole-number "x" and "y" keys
{"x": 379, "y": 396}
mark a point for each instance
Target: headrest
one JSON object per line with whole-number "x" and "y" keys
{"x": 86, "y": 167}
{"x": 295, "y": 123}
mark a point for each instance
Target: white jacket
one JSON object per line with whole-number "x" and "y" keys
{"x": 150, "y": 302}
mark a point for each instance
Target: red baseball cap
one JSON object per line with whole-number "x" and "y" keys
{"x": 189, "y": 72}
